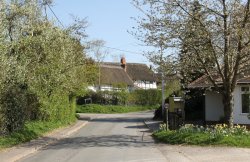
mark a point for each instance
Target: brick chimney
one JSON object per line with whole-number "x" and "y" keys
{"x": 123, "y": 63}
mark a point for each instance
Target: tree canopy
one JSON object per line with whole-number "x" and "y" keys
{"x": 212, "y": 35}
{"x": 42, "y": 65}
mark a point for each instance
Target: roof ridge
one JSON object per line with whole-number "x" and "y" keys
{"x": 136, "y": 63}
{"x": 111, "y": 66}
{"x": 197, "y": 80}
{"x": 118, "y": 63}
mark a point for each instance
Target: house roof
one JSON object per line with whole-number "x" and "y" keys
{"x": 136, "y": 71}
{"x": 140, "y": 72}
{"x": 204, "y": 82}
{"x": 114, "y": 75}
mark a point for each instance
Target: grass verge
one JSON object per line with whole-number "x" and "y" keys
{"x": 32, "y": 130}
{"x": 202, "y": 139}
{"x": 111, "y": 109}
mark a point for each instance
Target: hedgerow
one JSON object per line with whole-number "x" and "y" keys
{"x": 43, "y": 67}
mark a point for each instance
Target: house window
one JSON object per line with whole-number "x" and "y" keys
{"x": 245, "y": 100}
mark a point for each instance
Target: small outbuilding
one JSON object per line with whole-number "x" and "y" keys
{"x": 214, "y": 110}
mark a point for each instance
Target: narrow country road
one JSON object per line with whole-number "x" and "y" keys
{"x": 106, "y": 138}
{"x": 125, "y": 138}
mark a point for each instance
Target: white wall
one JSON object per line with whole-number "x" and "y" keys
{"x": 103, "y": 88}
{"x": 92, "y": 88}
{"x": 213, "y": 106}
{"x": 106, "y": 88}
{"x": 239, "y": 117}
{"x": 144, "y": 85}
{"x": 139, "y": 84}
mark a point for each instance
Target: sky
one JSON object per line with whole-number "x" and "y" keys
{"x": 109, "y": 20}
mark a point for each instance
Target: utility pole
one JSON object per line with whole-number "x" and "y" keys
{"x": 162, "y": 83}
{"x": 162, "y": 94}
{"x": 99, "y": 79}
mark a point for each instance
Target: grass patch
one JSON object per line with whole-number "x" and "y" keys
{"x": 203, "y": 138}
{"x": 32, "y": 130}
{"x": 111, "y": 109}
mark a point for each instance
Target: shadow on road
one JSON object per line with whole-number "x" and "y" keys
{"x": 115, "y": 140}
{"x": 119, "y": 120}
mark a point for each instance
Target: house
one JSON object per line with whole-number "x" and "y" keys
{"x": 213, "y": 100}
{"x": 111, "y": 76}
{"x": 134, "y": 75}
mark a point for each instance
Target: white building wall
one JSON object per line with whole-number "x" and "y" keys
{"x": 144, "y": 85}
{"x": 92, "y": 88}
{"x": 239, "y": 117}
{"x": 213, "y": 106}
{"x": 106, "y": 88}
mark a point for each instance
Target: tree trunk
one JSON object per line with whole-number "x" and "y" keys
{"x": 228, "y": 108}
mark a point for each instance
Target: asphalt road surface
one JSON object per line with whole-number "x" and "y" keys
{"x": 124, "y": 138}
{"x": 106, "y": 138}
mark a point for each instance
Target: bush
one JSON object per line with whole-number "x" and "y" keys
{"x": 145, "y": 97}
{"x": 110, "y": 109}
{"x": 194, "y": 101}
{"x": 106, "y": 97}
{"x": 123, "y": 97}
{"x": 13, "y": 102}
{"x": 17, "y": 105}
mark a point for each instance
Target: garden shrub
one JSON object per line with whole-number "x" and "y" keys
{"x": 123, "y": 97}
{"x": 106, "y": 97}
{"x": 12, "y": 105}
{"x": 17, "y": 105}
{"x": 145, "y": 97}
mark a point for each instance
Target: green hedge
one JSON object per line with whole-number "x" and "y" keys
{"x": 111, "y": 109}
{"x": 145, "y": 97}
{"x": 136, "y": 97}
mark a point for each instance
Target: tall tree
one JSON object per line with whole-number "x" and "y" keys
{"x": 95, "y": 48}
{"x": 225, "y": 40}
{"x": 42, "y": 65}
{"x": 193, "y": 34}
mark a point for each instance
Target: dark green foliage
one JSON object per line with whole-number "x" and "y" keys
{"x": 111, "y": 109}
{"x": 13, "y": 103}
{"x": 106, "y": 97}
{"x": 194, "y": 105}
{"x": 136, "y": 97}
{"x": 17, "y": 105}
{"x": 194, "y": 38}
{"x": 145, "y": 97}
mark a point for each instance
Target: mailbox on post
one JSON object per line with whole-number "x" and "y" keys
{"x": 176, "y": 112}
